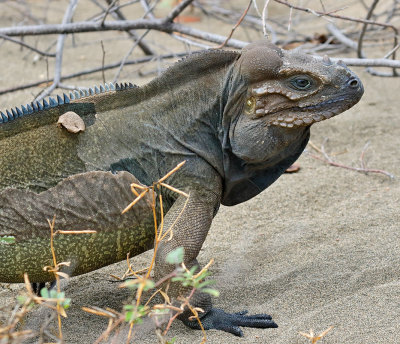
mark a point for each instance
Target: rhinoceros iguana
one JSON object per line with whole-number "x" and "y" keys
{"x": 238, "y": 119}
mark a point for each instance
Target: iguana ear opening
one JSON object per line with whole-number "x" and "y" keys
{"x": 260, "y": 60}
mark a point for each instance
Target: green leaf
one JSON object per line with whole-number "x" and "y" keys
{"x": 210, "y": 291}
{"x": 205, "y": 283}
{"x": 172, "y": 341}
{"x": 131, "y": 285}
{"x": 134, "y": 314}
{"x": 175, "y": 257}
{"x": 21, "y": 299}
{"x": 193, "y": 270}
{"x": 128, "y": 307}
{"x": 7, "y": 239}
{"x": 53, "y": 294}
{"x": 129, "y": 316}
{"x": 66, "y": 303}
{"x": 178, "y": 279}
{"x": 202, "y": 276}
{"x": 44, "y": 292}
{"x": 148, "y": 285}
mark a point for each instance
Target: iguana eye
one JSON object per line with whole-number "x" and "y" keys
{"x": 301, "y": 83}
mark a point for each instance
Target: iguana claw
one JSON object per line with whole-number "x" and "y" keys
{"x": 220, "y": 320}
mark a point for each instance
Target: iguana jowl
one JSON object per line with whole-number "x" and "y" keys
{"x": 239, "y": 119}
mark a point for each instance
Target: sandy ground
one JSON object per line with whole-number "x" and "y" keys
{"x": 319, "y": 248}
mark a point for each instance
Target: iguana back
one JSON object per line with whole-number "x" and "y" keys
{"x": 127, "y": 128}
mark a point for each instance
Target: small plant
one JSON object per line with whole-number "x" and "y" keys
{"x": 54, "y": 299}
{"x": 135, "y": 312}
{"x": 26, "y": 302}
{"x": 188, "y": 278}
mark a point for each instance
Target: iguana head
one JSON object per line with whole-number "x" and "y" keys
{"x": 275, "y": 96}
{"x": 289, "y": 89}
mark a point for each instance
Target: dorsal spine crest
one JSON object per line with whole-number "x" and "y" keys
{"x": 36, "y": 107}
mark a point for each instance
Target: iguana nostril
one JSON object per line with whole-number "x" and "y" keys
{"x": 353, "y": 83}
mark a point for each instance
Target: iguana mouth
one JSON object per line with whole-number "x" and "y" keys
{"x": 305, "y": 115}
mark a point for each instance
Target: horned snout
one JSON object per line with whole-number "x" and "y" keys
{"x": 354, "y": 88}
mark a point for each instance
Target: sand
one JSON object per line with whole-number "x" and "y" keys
{"x": 319, "y": 248}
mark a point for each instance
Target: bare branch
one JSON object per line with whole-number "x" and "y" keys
{"x": 119, "y": 25}
{"x": 59, "y": 51}
{"x": 264, "y": 17}
{"x": 91, "y": 71}
{"x": 384, "y": 62}
{"x": 177, "y": 10}
{"x": 236, "y": 25}
{"x": 43, "y": 53}
{"x": 364, "y": 29}
{"x": 111, "y": 4}
{"x": 357, "y": 169}
{"x": 364, "y": 21}
{"x": 117, "y": 74}
{"x": 148, "y": 9}
{"x": 117, "y": 13}
{"x": 190, "y": 42}
{"x": 366, "y": 62}
{"x": 363, "y": 169}
{"x": 322, "y": 14}
{"x": 390, "y": 53}
{"x": 341, "y": 37}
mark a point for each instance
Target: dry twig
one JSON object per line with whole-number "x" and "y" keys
{"x": 59, "y": 52}
{"x": 236, "y": 25}
{"x": 315, "y": 338}
{"x": 363, "y": 169}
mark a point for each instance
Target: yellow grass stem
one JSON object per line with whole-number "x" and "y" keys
{"x": 176, "y": 168}
{"x": 53, "y": 253}
{"x": 137, "y": 199}
{"x": 75, "y": 232}
{"x": 174, "y": 189}
{"x": 174, "y": 223}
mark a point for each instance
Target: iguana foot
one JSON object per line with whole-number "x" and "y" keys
{"x": 219, "y": 320}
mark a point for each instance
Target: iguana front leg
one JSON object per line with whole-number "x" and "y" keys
{"x": 189, "y": 231}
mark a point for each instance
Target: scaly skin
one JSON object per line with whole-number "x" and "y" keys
{"x": 238, "y": 119}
